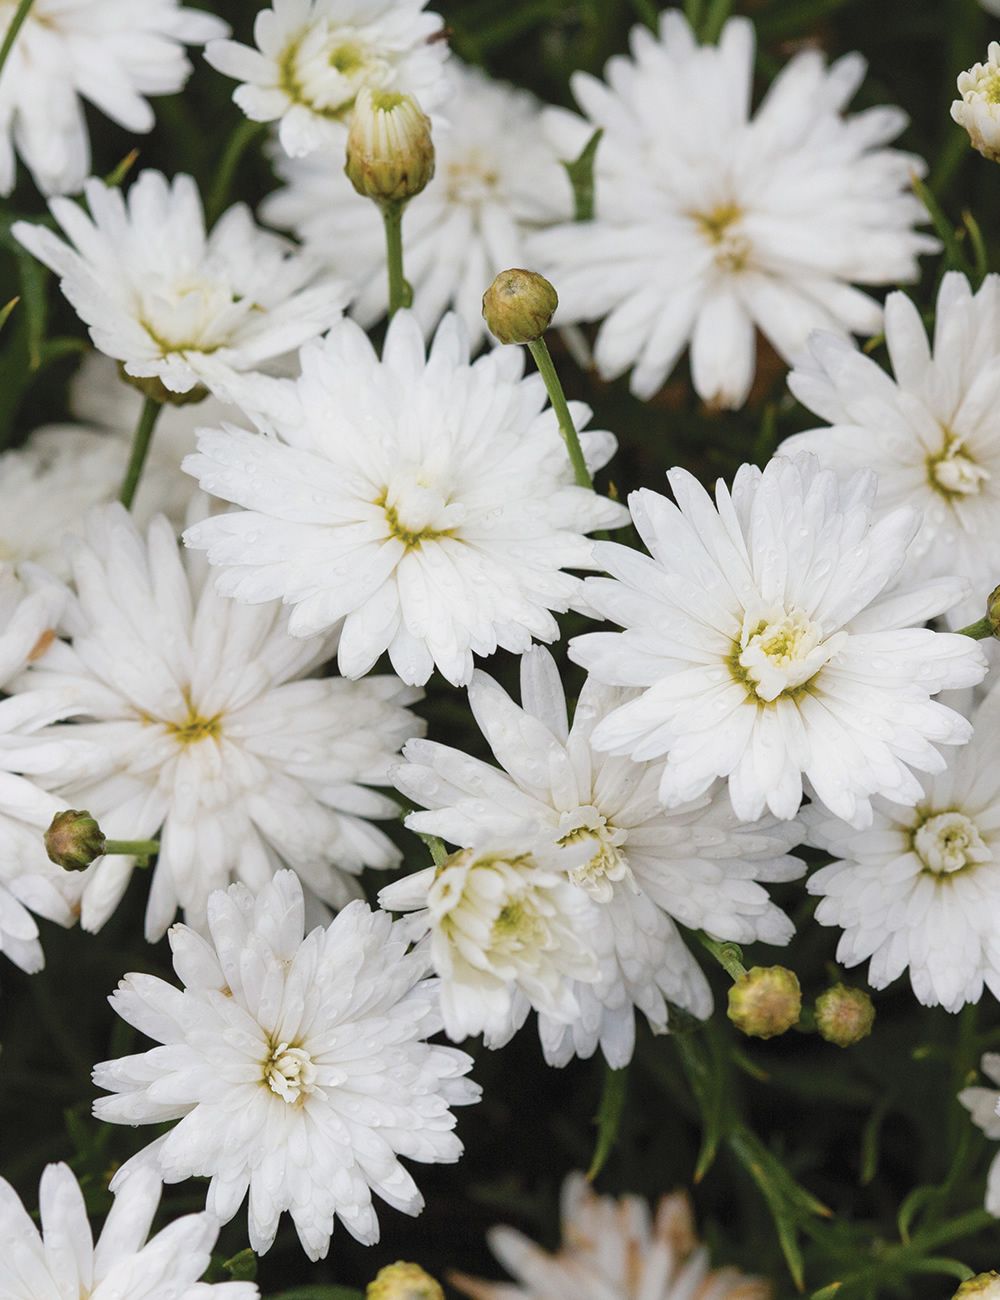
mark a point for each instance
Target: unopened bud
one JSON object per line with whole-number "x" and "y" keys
{"x": 766, "y": 1001}
{"x": 984, "y": 1286}
{"x": 74, "y": 840}
{"x": 844, "y": 1015}
{"x": 979, "y": 108}
{"x": 993, "y": 610}
{"x": 390, "y": 154}
{"x": 401, "y": 1281}
{"x": 519, "y": 305}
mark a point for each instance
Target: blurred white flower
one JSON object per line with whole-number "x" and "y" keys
{"x": 771, "y": 643}
{"x": 979, "y": 108}
{"x": 424, "y": 504}
{"x": 298, "y": 1068}
{"x": 199, "y": 723}
{"x": 172, "y": 303}
{"x": 983, "y": 1104}
{"x": 496, "y": 178}
{"x": 647, "y": 867}
{"x": 63, "y": 1261}
{"x": 313, "y": 56}
{"x": 110, "y": 52}
{"x": 710, "y": 223}
{"x": 613, "y": 1248}
{"x": 920, "y": 888}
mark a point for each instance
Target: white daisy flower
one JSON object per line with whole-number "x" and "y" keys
{"x": 110, "y": 52}
{"x": 425, "y": 505}
{"x": 931, "y": 435}
{"x": 313, "y": 56}
{"x": 172, "y": 303}
{"x": 298, "y": 1068}
{"x": 647, "y": 867}
{"x": 978, "y": 110}
{"x": 506, "y": 931}
{"x": 711, "y": 224}
{"x": 613, "y": 1248}
{"x": 62, "y": 1262}
{"x": 770, "y": 644}
{"x": 204, "y": 734}
{"x": 983, "y": 1104}
{"x": 496, "y": 179}
{"x": 920, "y": 888}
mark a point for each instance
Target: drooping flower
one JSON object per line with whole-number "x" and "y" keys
{"x": 62, "y": 1261}
{"x": 111, "y": 52}
{"x": 206, "y": 731}
{"x": 297, "y": 1068}
{"x": 496, "y": 179}
{"x": 983, "y": 1104}
{"x": 613, "y": 1248}
{"x": 979, "y": 108}
{"x": 920, "y": 888}
{"x": 931, "y": 434}
{"x": 710, "y": 224}
{"x": 171, "y": 302}
{"x": 313, "y": 56}
{"x": 647, "y": 866}
{"x": 770, "y": 644}
{"x": 425, "y": 505}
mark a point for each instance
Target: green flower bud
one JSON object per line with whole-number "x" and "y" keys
{"x": 993, "y": 610}
{"x": 766, "y": 1001}
{"x": 519, "y": 305}
{"x": 74, "y": 840}
{"x": 390, "y": 154}
{"x": 402, "y": 1281}
{"x": 154, "y": 387}
{"x": 844, "y": 1015}
{"x": 984, "y": 1286}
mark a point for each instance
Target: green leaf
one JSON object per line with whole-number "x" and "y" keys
{"x": 940, "y": 1264}
{"x": 692, "y": 12}
{"x": 243, "y": 1266}
{"x": 982, "y": 259}
{"x": 608, "y": 1118}
{"x": 916, "y": 1200}
{"x": 715, "y": 20}
{"x": 795, "y": 17}
{"x": 581, "y": 176}
{"x": 6, "y": 311}
{"x": 318, "y": 1293}
{"x": 34, "y": 278}
{"x": 955, "y": 259}
{"x": 826, "y": 1292}
{"x": 117, "y": 174}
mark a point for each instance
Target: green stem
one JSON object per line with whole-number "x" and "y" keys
{"x": 16, "y": 23}
{"x": 140, "y": 446}
{"x": 557, "y": 397}
{"x": 726, "y": 954}
{"x": 243, "y": 136}
{"x": 439, "y": 852}
{"x": 132, "y": 848}
{"x": 400, "y": 293}
{"x": 981, "y": 630}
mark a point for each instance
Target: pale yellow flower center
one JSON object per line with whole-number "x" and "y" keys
{"x": 416, "y": 512}
{"x": 779, "y": 652}
{"x": 324, "y": 67}
{"x": 471, "y": 179}
{"x": 948, "y": 842}
{"x": 289, "y": 1072}
{"x": 953, "y": 472}
{"x": 719, "y": 227}
{"x": 608, "y": 864}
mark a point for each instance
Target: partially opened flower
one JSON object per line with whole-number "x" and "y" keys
{"x": 298, "y": 1068}
{"x": 313, "y": 56}
{"x": 62, "y": 1261}
{"x": 425, "y": 505}
{"x": 171, "y": 302}
{"x": 977, "y": 110}
{"x": 613, "y": 1248}
{"x": 771, "y": 644}
{"x": 111, "y": 52}
{"x": 204, "y": 729}
{"x": 710, "y": 224}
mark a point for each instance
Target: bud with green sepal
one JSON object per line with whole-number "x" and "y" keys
{"x": 401, "y": 1281}
{"x": 74, "y": 840}
{"x": 766, "y": 1001}
{"x": 844, "y": 1015}
{"x": 989, "y": 625}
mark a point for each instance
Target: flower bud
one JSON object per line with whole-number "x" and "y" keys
{"x": 984, "y": 1286}
{"x": 74, "y": 840}
{"x": 401, "y": 1281}
{"x": 979, "y": 108}
{"x": 993, "y": 610}
{"x": 844, "y": 1015}
{"x": 766, "y": 1001}
{"x": 519, "y": 305}
{"x": 390, "y": 154}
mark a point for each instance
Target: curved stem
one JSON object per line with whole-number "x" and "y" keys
{"x": 400, "y": 293}
{"x": 140, "y": 446}
{"x": 132, "y": 848}
{"x": 728, "y": 955}
{"x": 16, "y": 24}
{"x": 543, "y": 360}
{"x": 981, "y": 630}
{"x": 243, "y": 136}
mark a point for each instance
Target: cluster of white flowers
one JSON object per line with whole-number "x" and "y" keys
{"x": 210, "y": 700}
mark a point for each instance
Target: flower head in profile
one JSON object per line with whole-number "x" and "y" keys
{"x": 770, "y": 644}
{"x": 920, "y": 888}
{"x": 644, "y": 868}
{"x": 496, "y": 179}
{"x": 425, "y": 505}
{"x": 978, "y": 110}
{"x": 930, "y": 434}
{"x": 983, "y": 1104}
{"x": 710, "y": 224}
{"x": 205, "y": 730}
{"x": 112, "y": 53}
{"x": 62, "y": 1260}
{"x": 613, "y": 1248}
{"x": 313, "y": 56}
{"x": 298, "y": 1068}
{"x": 172, "y": 303}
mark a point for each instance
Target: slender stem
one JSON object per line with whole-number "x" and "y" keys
{"x": 557, "y": 397}
{"x": 140, "y": 446}
{"x": 726, "y": 954}
{"x": 437, "y": 847}
{"x": 16, "y": 24}
{"x": 243, "y": 136}
{"x": 132, "y": 848}
{"x": 981, "y": 630}
{"x": 400, "y": 293}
